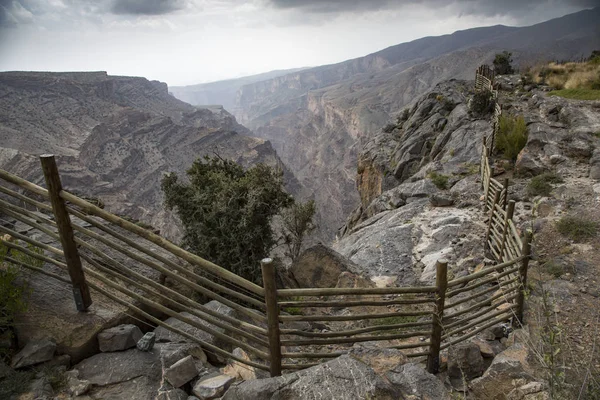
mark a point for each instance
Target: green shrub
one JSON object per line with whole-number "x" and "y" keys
{"x": 439, "y": 180}
{"x": 14, "y": 291}
{"x": 576, "y": 228}
{"x": 15, "y": 383}
{"x": 392, "y": 321}
{"x": 541, "y": 185}
{"x": 554, "y": 269}
{"x": 226, "y": 212}
{"x": 482, "y": 103}
{"x": 503, "y": 63}
{"x": 511, "y": 137}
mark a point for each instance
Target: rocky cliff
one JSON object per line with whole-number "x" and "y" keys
{"x": 114, "y": 137}
{"x": 317, "y": 119}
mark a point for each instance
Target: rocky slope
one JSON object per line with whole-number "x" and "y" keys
{"x": 114, "y": 137}
{"x": 221, "y": 92}
{"x": 318, "y": 118}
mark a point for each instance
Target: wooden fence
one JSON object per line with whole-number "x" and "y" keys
{"x": 281, "y": 329}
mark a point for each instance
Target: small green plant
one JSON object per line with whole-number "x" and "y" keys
{"x": 482, "y": 102}
{"x": 553, "y": 268}
{"x": 452, "y": 152}
{"x": 14, "y": 291}
{"x": 56, "y": 377}
{"x": 597, "y": 134}
{"x": 15, "y": 383}
{"x": 403, "y": 116}
{"x": 512, "y": 136}
{"x": 541, "y": 185}
{"x": 577, "y": 228}
{"x": 293, "y": 310}
{"x": 439, "y": 180}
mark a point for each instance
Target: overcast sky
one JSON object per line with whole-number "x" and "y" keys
{"x": 193, "y": 41}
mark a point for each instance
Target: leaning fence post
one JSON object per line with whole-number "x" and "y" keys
{"x": 510, "y": 211}
{"x": 505, "y": 197}
{"x": 81, "y": 292}
{"x": 491, "y": 220}
{"x": 526, "y": 252}
{"x": 441, "y": 282}
{"x": 482, "y": 163}
{"x": 269, "y": 283}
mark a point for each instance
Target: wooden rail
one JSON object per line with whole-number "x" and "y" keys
{"x": 420, "y": 320}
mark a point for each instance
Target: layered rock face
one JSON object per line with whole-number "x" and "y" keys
{"x": 318, "y": 119}
{"x": 115, "y": 137}
{"x": 416, "y": 182}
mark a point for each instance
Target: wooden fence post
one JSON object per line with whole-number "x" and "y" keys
{"x": 81, "y": 292}
{"x": 441, "y": 282}
{"x": 491, "y": 217}
{"x": 505, "y": 198}
{"x": 510, "y": 211}
{"x": 270, "y": 285}
{"x": 526, "y": 252}
{"x": 482, "y": 163}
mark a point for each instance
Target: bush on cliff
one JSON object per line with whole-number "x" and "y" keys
{"x": 226, "y": 212}
{"x": 511, "y": 137}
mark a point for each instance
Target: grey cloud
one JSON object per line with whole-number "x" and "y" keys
{"x": 146, "y": 7}
{"x": 468, "y": 7}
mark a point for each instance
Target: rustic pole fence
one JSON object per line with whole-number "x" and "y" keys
{"x": 491, "y": 218}
{"x": 526, "y": 252}
{"x": 510, "y": 210}
{"x": 441, "y": 281}
{"x": 81, "y": 291}
{"x": 270, "y": 285}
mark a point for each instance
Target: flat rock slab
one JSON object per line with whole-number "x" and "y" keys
{"x": 181, "y": 372}
{"x": 213, "y": 387}
{"x": 413, "y": 380}
{"x": 34, "y": 352}
{"x": 119, "y": 338}
{"x": 109, "y": 368}
{"x": 343, "y": 378}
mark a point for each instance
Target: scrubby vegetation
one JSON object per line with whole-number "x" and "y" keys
{"x": 227, "y": 211}
{"x": 297, "y": 223}
{"x": 577, "y": 228}
{"x": 512, "y": 136}
{"x": 439, "y": 180}
{"x": 541, "y": 185}
{"x": 482, "y": 103}
{"x": 14, "y": 290}
{"x": 503, "y": 63}
{"x": 574, "y": 80}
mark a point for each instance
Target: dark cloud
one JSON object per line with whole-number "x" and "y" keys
{"x": 146, "y": 7}
{"x": 468, "y": 7}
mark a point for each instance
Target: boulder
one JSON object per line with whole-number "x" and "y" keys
{"x": 212, "y": 387}
{"x": 171, "y": 352}
{"x": 34, "y": 352}
{"x": 413, "y": 380}
{"x": 342, "y": 378}
{"x": 437, "y": 200}
{"x": 319, "y": 267}
{"x": 181, "y": 372}
{"x": 528, "y": 164}
{"x": 488, "y": 348}
{"x": 75, "y": 386}
{"x": 146, "y": 343}
{"x": 465, "y": 361}
{"x": 119, "y": 338}
{"x": 497, "y": 381}
{"x": 129, "y": 374}
{"x": 238, "y": 370}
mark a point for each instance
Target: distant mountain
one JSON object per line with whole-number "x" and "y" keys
{"x": 222, "y": 92}
{"x": 115, "y": 136}
{"x": 317, "y": 118}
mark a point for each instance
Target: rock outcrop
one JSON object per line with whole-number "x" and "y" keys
{"x": 115, "y": 137}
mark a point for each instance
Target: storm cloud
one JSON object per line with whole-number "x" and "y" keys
{"x": 486, "y": 8}
{"x": 146, "y": 7}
